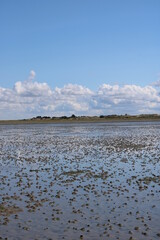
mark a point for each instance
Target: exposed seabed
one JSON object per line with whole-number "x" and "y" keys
{"x": 85, "y": 181}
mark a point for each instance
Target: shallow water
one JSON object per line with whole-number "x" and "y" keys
{"x": 80, "y": 181}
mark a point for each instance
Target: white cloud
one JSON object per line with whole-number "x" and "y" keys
{"x": 30, "y": 98}
{"x": 32, "y": 75}
{"x": 129, "y": 98}
{"x": 32, "y": 89}
{"x": 73, "y": 90}
{"x": 157, "y": 83}
{"x": 129, "y": 93}
{"x": 29, "y": 88}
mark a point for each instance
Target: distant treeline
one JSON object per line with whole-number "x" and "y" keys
{"x": 46, "y": 117}
{"x": 113, "y": 116}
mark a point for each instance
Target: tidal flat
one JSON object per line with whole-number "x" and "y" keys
{"x": 80, "y": 181}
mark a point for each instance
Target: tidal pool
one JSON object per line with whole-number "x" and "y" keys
{"x": 80, "y": 181}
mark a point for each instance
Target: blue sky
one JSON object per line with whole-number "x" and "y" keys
{"x": 83, "y": 42}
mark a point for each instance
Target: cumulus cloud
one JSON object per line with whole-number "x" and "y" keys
{"x": 30, "y": 98}
{"x": 32, "y": 75}
{"x": 129, "y": 98}
{"x": 157, "y": 83}
{"x": 32, "y": 89}
{"x": 117, "y": 94}
{"x": 29, "y": 88}
{"x": 74, "y": 90}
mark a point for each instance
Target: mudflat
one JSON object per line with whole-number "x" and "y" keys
{"x": 80, "y": 181}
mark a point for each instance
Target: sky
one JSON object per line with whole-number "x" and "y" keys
{"x": 83, "y": 57}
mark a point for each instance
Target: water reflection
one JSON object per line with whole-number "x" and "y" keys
{"x": 80, "y": 181}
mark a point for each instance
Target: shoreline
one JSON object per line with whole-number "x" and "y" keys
{"x": 77, "y": 121}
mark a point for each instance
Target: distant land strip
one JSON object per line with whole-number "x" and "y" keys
{"x": 83, "y": 119}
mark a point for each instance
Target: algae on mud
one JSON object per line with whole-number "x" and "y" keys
{"x": 85, "y": 181}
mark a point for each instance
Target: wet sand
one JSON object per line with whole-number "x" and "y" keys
{"x": 80, "y": 181}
